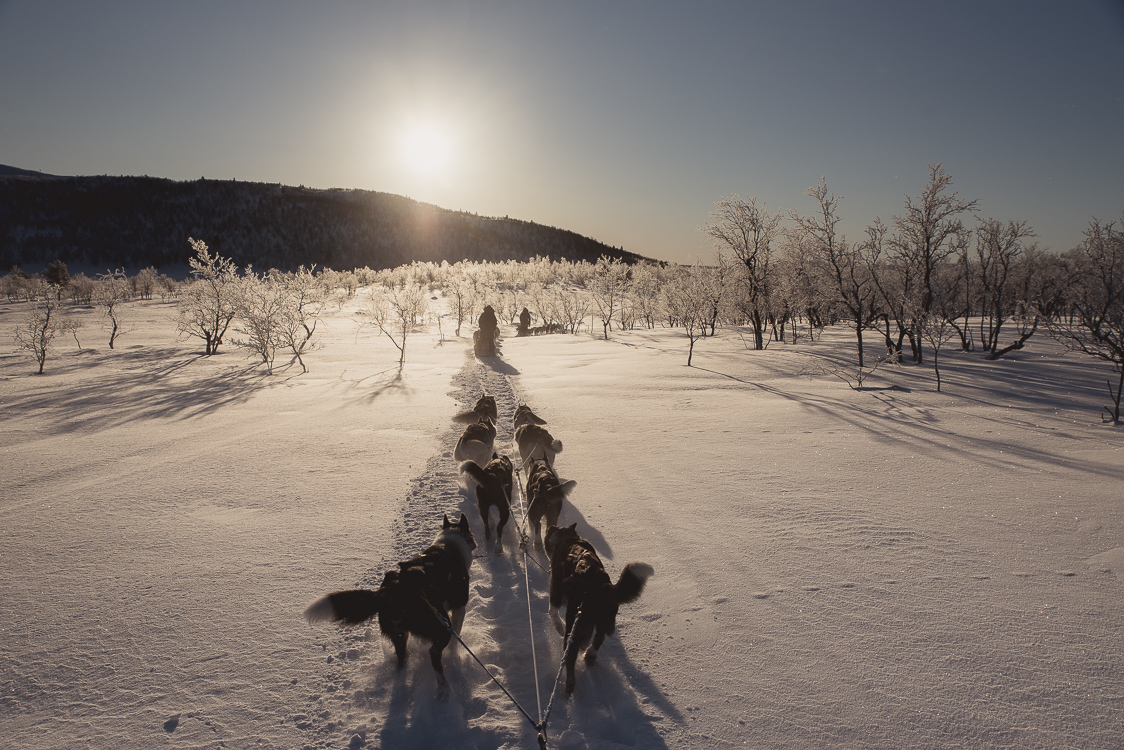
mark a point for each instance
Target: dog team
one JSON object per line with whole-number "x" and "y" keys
{"x": 426, "y": 595}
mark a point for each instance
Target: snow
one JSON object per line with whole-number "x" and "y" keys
{"x": 891, "y": 567}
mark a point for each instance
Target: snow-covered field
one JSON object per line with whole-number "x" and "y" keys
{"x": 885, "y": 568}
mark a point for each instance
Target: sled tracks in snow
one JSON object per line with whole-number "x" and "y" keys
{"x": 366, "y": 701}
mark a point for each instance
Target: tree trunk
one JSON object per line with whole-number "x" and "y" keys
{"x": 1114, "y": 412}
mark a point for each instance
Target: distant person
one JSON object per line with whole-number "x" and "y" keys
{"x": 524, "y": 322}
{"x": 484, "y": 339}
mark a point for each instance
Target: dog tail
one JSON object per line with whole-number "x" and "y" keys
{"x": 347, "y": 607}
{"x": 631, "y": 583}
{"x": 556, "y": 446}
{"x": 567, "y": 487}
{"x": 472, "y": 475}
{"x": 467, "y": 417}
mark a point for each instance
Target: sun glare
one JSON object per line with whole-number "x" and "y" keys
{"x": 426, "y": 149}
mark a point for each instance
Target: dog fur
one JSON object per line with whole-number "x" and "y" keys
{"x": 523, "y": 415}
{"x": 492, "y": 484}
{"x": 578, "y": 580}
{"x": 545, "y": 493}
{"x": 485, "y": 407}
{"x": 477, "y": 442}
{"x": 534, "y": 441}
{"x": 439, "y": 576}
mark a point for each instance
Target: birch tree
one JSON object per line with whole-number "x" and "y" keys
{"x": 748, "y": 231}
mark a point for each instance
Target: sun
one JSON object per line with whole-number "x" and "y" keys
{"x": 426, "y": 149}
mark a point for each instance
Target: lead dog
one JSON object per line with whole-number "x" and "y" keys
{"x": 534, "y": 441}
{"x": 545, "y": 493}
{"x": 492, "y": 484}
{"x": 579, "y": 581}
{"x": 437, "y": 579}
{"x": 476, "y": 443}
{"x": 485, "y": 407}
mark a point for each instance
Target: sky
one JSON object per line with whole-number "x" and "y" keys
{"x": 622, "y": 121}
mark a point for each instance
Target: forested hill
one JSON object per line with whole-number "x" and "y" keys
{"x": 145, "y": 221}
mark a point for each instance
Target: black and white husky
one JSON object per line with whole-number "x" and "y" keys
{"x": 477, "y": 442}
{"x": 412, "y": 595}
{"x": 545, "y": 493}
{"x": 578, "y": 580}
{"x": 492, "y": 484}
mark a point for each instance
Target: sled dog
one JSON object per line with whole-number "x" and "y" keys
{"x": 545, "y": 493}
{"x": 485, "y": 407}
{"x": 534, "y": 441}
{"x": 476, "y": 443}
{"x": 523, "y": 415}
{"x": 493, "y": 489}
{"x": 578, "y": 580}
{"x": 411, "y": 596}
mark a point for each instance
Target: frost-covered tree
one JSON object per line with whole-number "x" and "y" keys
{"x": 112, "y": 291}
{"x": 690, "y": 300}
{"x": 396, "y": 311}
{"x": 259, "y": 313}
{"x": 607, "y": 289}
{"x": 37, "y": 332}
{"x": 303, "y": 299}
{"x": 1095, "y": 323}
{"x": 208, "y": 304}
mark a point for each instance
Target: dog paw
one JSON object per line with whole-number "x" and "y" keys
{"x": 590, "y": 657}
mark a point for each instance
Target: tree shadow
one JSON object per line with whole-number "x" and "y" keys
{"x": 893, "y": 417}
{"x": 370, "y": 387}
{"x": 154, "y": 383}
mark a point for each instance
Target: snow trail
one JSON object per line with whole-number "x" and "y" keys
{"x": 367, "y": 700}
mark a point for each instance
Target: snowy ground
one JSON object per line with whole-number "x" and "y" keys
{"x": 885, "y": 568}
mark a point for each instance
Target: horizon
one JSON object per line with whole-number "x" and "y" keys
{"x": 623, "y": 124}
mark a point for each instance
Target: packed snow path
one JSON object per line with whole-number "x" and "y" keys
{"x": 475, "y": 713}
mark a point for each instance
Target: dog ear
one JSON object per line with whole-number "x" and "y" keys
{"x": 573, "y": 527}
{"x": 464, "y": 522}
{"x": 447, "y": 524}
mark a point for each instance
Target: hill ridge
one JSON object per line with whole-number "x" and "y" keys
{"x": 145, "y": 221}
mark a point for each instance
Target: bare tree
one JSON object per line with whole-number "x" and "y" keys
{"x": 689, "y": 300}
{"x": 259, "y": 307}
{"x": 851, "y": 279}
{"x": 927, "y": 234}
{"x": 1095, "y": 324}
{"x": 302, "y": 300}
{"x": 936, "y": 329}
{"x": 209, "y": 303}
{"x": 38, "y": 331}
{"x": 396, "y": 310}
{"x": 748, "y": 231}
{"x": 146, "y": 280}
{"x": 82, "y": 289}
{"x": 608, "y": 288}
{"x": 572, "y": 305}
{"x": 998, "y": 246}
{"x": 112, "y": 290}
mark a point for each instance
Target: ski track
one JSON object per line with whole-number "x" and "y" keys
{"x": 366, "y": 702}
